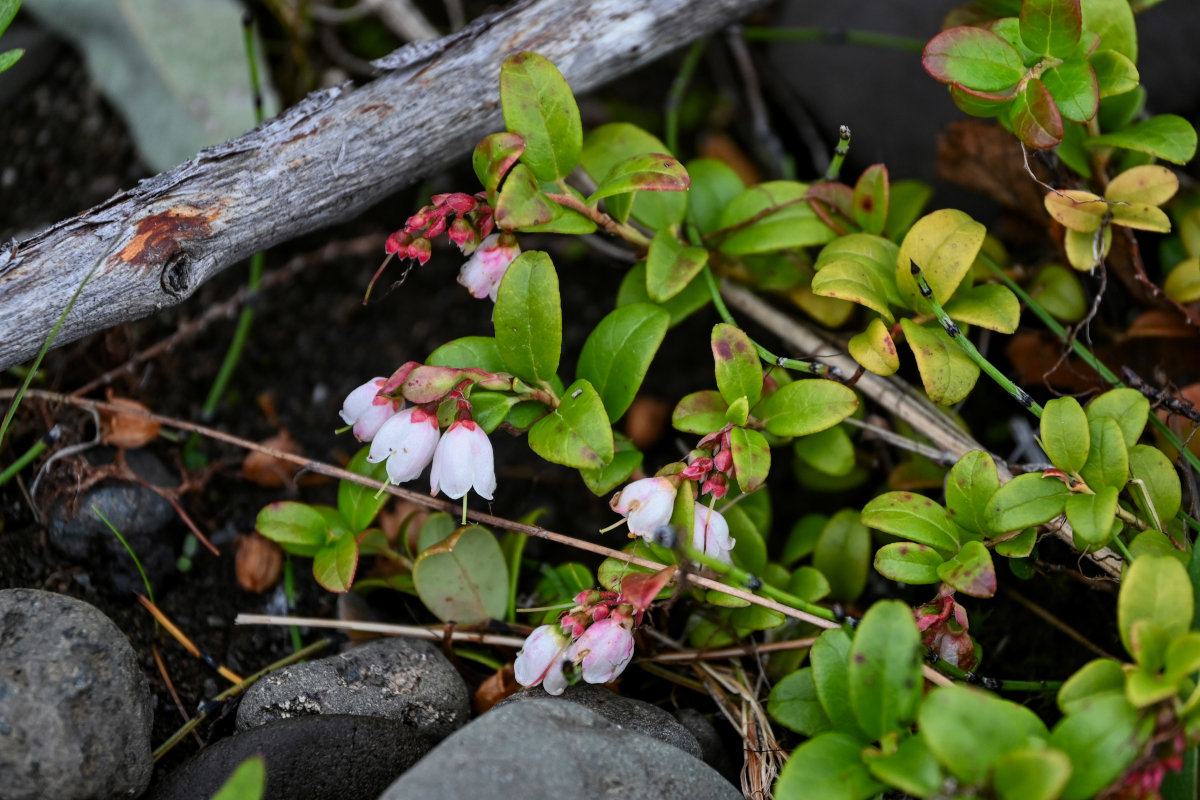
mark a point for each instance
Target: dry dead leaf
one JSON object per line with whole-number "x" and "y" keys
{"x": 127, "y": 430}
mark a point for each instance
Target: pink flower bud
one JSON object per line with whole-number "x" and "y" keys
{"x": 716, "y": 485}
{"x": 420, "y": 249}
{"x": 367, "y": 411}
{"x": 484, "y": 270}
{"x": 604, "y": 649}
{"x": 463, "y": 461}
{"x": 436, "y": 228}
{"x": 463, "y": 235}
{"x": 407, "y": 441}
{"x": 417, "y": 221}
{"x": 723, "y": 461}
{"x": 397, "y": 242}
{"x": 711, "y": 534}
{"x": 462, "y": 203}
{"x": 647, "y": 504}
{"x": 541, "y": 659}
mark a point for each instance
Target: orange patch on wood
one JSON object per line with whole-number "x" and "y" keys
{"x": 160, "y": 236}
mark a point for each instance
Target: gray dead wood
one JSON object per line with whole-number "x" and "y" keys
{"x": 321, "y": 162}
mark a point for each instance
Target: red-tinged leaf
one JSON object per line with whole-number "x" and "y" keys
{"x": 751, "y": 458}
{"x": 1051, "y": 27}
{"x": 971, "y": 571}
{"x": 981, "y": 104}
{"x": 494, "y": 157}
{"x": 521, "y": 202}
{"x": 834, "y": 203}
{"x": 648, "y": 172}
{"x": 426, "y": 384}
{"x": 738, "y": 368}
{"x": 1034, "y": 117}
{"x": 640, "y": 588}
{"x": 1075, "y": 90}
{"x": 973, "y": 57}
{"x": 870, "y": 206}
{"x": 700, "y": 412}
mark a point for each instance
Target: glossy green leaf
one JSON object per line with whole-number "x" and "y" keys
{"x": 970, "y": 571}
{"x": 480, "y": 352}
{"x": 944, "y": 245}
{"x": 1019, "y": 546}
{"x": 648, "y": 172}
{"x": 974, "y": 57}
{"x": 870, "y": 206}
{"x": 1034, "y": 117}
{"x": 828, "y": 767}
{"x": 738, "y": 368}
{"x": 750, "y": 548}
{"x": 1113, "y": 21}
{"x": 1155, "y": 589}
{"x": 914, "y": 517}
{"x": 751, "y": 458}
{"x": 885, "y": 669}
{"x": 1183, "y": 281}
{"x": 872, "y": 251}
{"x": 793, "y": 703}
{"x": 907, "y": 200}
{"x": 670, "y": 266}
{"x": 1026, "y": 501}
{"x": 1076, "y": 209}
{"x": 463, "y": 578}
{"x": 843, "y": 555}
{"x": 1115, "y": 73}
{"x": 912, "y": 768}
{"x": 494, "y": 156}
{"x": 1051, "y": 27}
{"x": 947, "y": 373}
{"x": 1095, "y": 678}
{"x": 1075, "y": 90}
{"x": 802, "y": 538}
{"x": 1108, "y": 457}
{"x": 618, "y": 352}
{"x": 1159, "y": 480}
{"x": 334, "y": 565}
{"x": 633, "y": 290}
{"x": 248, "y": 781}
{"x": 808, "y": 583}
{"x": 577, "y": 433}
{"x": 700, "y": 412}
{"x": 738, "y": 412}
{"x": 805, "y": 406}
{"x": 1091, "y": 516}
{"x": 1031, "y": 773}
{"x": 771, "y": 216}
{"x": 490, "y": 409}
{"x": 829, "y": 451}
{"x": 603, "y": 147}
{"x": 539, "y": 107}
{"x": 359, "y": 504}
{"x": 988, "y": 305}
{"x": 520, "y": 202}
{"x": 970, "y": 484}
{"x": 1058, "y": 291}
{"x": 296, "y": 527}
{"x": 1119, "y": 111}
{"x": 1166, "y": 136}
{"x": 626, "y": 459}
{"x": 528, "y": 317}
{"x": 714, "y": 185}
{"x": 851, "y": 279}
{"x": 969, "y": 730}
{"x": 874, "y": 349}
{"x": 562, "y": 219}
{"x": 1101, "y": 739}
{"x": 830, "y": 656}
{"x": 1065, "y": 437}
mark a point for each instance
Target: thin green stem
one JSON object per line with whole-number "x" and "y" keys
{"x": 835, "y": 36}
{"x": 33, "y": 452}
{"x": 995, "y": 684}
{"x": 678, "y": 89}
{"x": 626, "y": 232}
{"x": 136, "y": 561}
{"x": 954, "y": 333}
{"x": 1122, "y": 549}
{"x": 289, "y": 594}
{"x": 839, "y": 154}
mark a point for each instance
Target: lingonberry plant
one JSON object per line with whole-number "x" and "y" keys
{"x": 1058, "y": 74}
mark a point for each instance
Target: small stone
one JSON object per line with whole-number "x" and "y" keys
{"x": 545, "y": 749}
{"x": 397, "y": 678}
{"x": 75, "y": 709}
{"x": 712, "y": 749}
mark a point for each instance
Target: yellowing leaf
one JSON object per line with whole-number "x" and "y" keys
{"x": 1076, "y": 210}
{"x": 875, "y": 350}
{"x": 946, "y": 371}
{"x": 1142, "y": 216}
{"x": 1150, "y": 183}
{"x": 944, "y": 245}
{"x": 1082, "y": 250}
{"x": 1183, "y": 282}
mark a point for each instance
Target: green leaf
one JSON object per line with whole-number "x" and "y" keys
{"x": 1092, "y": 515}
{"x": 1183, "y": 281}
{"x": 829, "y": 451}
{"x": 521, "y": 203}
{"x": 1108, "y": 457}
{"x": 944, "y": 245}
{"x": 809, "y": 584}
{"x": 874, "y": 349}
{"x": 793, "y": 703}
{"x": 1034, "y": 118}
{"x": 907, "y": 562}
{"x": 248, "y": 781}
{"x": 357, "y": 503}
{"x": 969, "y": 730}
{"x": 296, "y": 527}
{"x": 8, "y": 10}
{"x": 974, "y": 57}
{"x": 751, "y": 458}
{"x": 1158, "y": 479}
{"x": 851, "y": 279}
{"x": 907, "y": 200}
{"x": 562, "y": 219}
{"x": 750, "y": 549}
{"x": 828, "y": 767}
{"x": 771, "y": 216}
{"x": 489, "y": 409}
{"x": 988, "y": 305}
{"x": 614, "y": 142}
{"x": 437, "y": 527}
{"x": 714, "y": 185}
{"x": 691, "y": 299}
{"x": 577, "y": 433}
{"x": 334, "y": 565}
{"x": 1081, "y": 248}
{"x": 539, "y": 107}
{"x": 700, "y": 412}
{"x": 494, "y": 156}
{"x": 1075, "y": 90}
{"x": 670, "y": 266}
{"x": 1129, "y": 408}
{"x": 1051, "y": 27}
{"x": 1058, "y": 291}
{"x": 885, "y": 669}
{"x": 1166, "y": 136}
{"x": 1026, "y": 501}
{"x": 830, "y": 656}
{"x": 970, "y": 484}
{"x": 528, "y": 317}
{"x": 463, "y": 578}
{"x": 970, "y": 571}
{"x": 10, "y": 57}
{"x": 1098, "y": 677}
{"x": 618, "y": 352}
{"x": 843, "y": 555}
{"x": 648, "y": 172}
{"x": 738, "y": 368}
{"x": 1030, "y": 773}
{"x": 1101, "y": 739}
{"x": 1019, "y": 546}
{"x": 1155, "y": 589}
{"x": 914, "y": 517}
{"x": 1065, "y": 436}
{"x": 947, "y": 373}
{"x": 479, "y": 352}
{"x": 870, "y": 206}
{"x": 1115, "y": 73}
{"x": 802, "y": 538}
{"x": 626, "y": 459}
{"x": 804, "y": 407}
{"x": 911, "y": 768}
{"x": 1113, "y": 21}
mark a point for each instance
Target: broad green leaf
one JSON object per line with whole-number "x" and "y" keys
{"x": 437, "y": 527}
{"x": 750, "y": 549}
{"x": 912, "y": 768}
{"x": 614, "y": 142}
{"x": 1183, "y": 281}
{"x": 843, "y": 555}
{"x": 947, "y": 373}
{"x": 577, "y": 433}
{"x": 944, "y": 245}
{"x": 802, "y": 538}
{"x": 874, "y": 349}
{"x": 1152, "y": 184}
{"x": 1075, "y": 90}
{"x": 1166, "y": 136}
{"x": 830, "y": 656}
{"x": 480, "y": 352}
{"x": 525, "y": 413}
{"x": 618, "y": 352}
{"x": 248, "y": 781}
{"x": 494, "y": 157}
{"x": 874, "y": 251}
{"x": 970, "y": 484}
{"x": 751, "y": 458}
{"x": 969, "y": 730}
{"x": 700, "y": 412}
{"x": 463, "y": 578}
{"x": 1115, "y": 73}
{"x": 694, "y": 296}
{"x": 793, "y": 703}
{"x": 808, "y": 583}
{"x": 1119, "y": 111}
{"x": 1034, "y": 118}
{"x": 359, "y": 504}
{"x": 974, "y": 57}
{"x": 1098, "y": 677}
{"x": 970, "y": 571}
{"x": 296, "y": 527}
{"x": 648, "y": 172}
{"x": 1183, "y": 657}
{"x": 1019, "y": 546}
{"x": 757, "y": 506}
{"x": 539, "y": 107}
{"x": 528, "y": 317}
{"x": 1158, "y": 479}
{"x": 1058, "y": 291}
{"x": 851, "y": 279}
{"x": 828, "y": 767}
{"x": 1156, "y": 543}
{"x": 885, "y": 669}
{"x": 490, "y": 409}
{"x": 521, "y": 203}
{"x": 829, "y": 451}
{"x": 771, "y": 216}
{"x": 334, "y": 565}
{"x": 738, "y": 367}
{"x": 1108, "y": 457}
{"x": 914, "y": 517}
{"x": 805, "y": 406}
{"x": 626, "y": 459}
{"x": 1113, "y": 21}
{"x": 1085, "y": 250}
{"x": 1091, "y": 516}
{"x": 714, "y": 185}
{"x": 907, "y": 200}
{"x": 1101, "y": 738}
{"x": 562, "y": 220}
{"x": 871, "y": 199}
{"x": 670, "y": 266}
{"x": 1030, "y": 773}
{"x": 988, "y": 305}
{"x": 1026, "y": 501}
{"x": 982, "y": 104}
{"x": 1051, "y": 27}
{"x": 1076, "y": 209}
{"x": 1065, "y": 437}
{"x": 1155, "y": 589}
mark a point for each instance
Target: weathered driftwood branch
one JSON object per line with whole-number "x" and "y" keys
{"x": 319, "y": 163}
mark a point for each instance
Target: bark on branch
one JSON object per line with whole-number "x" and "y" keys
{"x": 322, "y": 161}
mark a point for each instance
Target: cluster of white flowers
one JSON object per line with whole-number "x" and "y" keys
{"x": 647, "y": 505}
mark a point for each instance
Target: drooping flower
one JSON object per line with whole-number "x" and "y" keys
{"x": 367, "y": 411}
{"x": 711, "y": 534}
{"x": 408, "y": 441}
{"x": 483, "y": 271}
{"x": 463, "y": 461}
{"x": 604, "y": 649}
{"x": 541, "y": 659}
{"x": 647, "y": 504}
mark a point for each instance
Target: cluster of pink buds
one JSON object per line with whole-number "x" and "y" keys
{"x": 592, "y": 641}
{"x": 711, "y": 463}
{"x": 1165, "y": 755}
{"x": 464, "y": 218}
{"x": 647, "y": 505}
{"x": 944, "y": 628}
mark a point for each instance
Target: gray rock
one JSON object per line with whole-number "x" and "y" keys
{"x": 402, "y": 679}
{"x": 624, "y": 712}
{"x": 541, "y": 749}
{"x": 712, "y": 749}
{"x": 329, "y": 757}
{"x": 75, "y": 709}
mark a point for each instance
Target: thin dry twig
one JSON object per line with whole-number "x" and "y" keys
{"x": 437, "y": 634}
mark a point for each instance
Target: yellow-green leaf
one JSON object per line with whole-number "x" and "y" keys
{"x": 1152, "y": 184}
{"x": 1183, "y": 282}
{"x": 874, "y": 349}
{"x": 947, "y": 373}
{"x": 1076, "y": 209}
